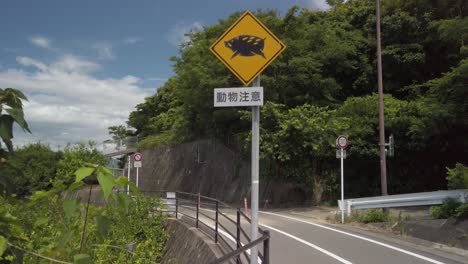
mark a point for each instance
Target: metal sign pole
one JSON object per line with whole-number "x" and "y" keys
{"x": 137, "y": 177}
{"x": 255, "y": 178}
{"x": 342, "y": 187}
{"x": 128, "y": 173}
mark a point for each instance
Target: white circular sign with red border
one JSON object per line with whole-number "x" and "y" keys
{"x": 342, "y": 141}
{"x": 137, "y": 156}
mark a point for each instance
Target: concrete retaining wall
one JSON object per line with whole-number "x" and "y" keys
{"x": 188, "y": 245}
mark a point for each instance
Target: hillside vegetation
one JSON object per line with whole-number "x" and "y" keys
{"x": 324, "y": 85}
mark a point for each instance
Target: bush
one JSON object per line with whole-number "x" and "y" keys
{"x": 462, "y": 211}
{"x": 446, "y": 210}
{"x": 374, "y": 216}
{"x": 457, "y": 177}
{"x": 32, "y": 168}
{"x": 76, "y": 157}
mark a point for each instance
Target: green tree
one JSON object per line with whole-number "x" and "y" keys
{"x": 76, "y": 157}
{"x": 33, "y": 167}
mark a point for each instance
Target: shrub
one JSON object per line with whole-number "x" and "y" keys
{"x": 76, "y": 157}
{"x": 374, "y": 216}
{"x": 32, "y": 168}
{"x": 457, "y": 177}
{"x": 446, "y": 210}
{"x": 462, "y": 211}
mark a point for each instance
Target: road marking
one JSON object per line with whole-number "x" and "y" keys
{"x": 288, "y": 235}
{"x": 359, "y": 237}
{"x": 340, "y": 259}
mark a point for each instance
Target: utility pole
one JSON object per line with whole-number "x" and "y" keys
{"x": 383, "y": 162}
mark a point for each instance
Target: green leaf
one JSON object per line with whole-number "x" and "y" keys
{"x": 123, "y": 181}
{"x": 82, "y": 259}
{"x": 82, "y": 173}
{"x": 75, "y": 185}
{"x": 123, "y": 201}
{"x": 39, "y": 195}
{"x": 64, "y": 239}
{"x": 106, "y": 180}
{"x": 41, "y": 221}
{"x": 70, "y": 207}
{"x": 3, "y": 245}
{"x": 103, "y": 225}
{"x": 18, "y": 116}
{"x": 6, "y": 130}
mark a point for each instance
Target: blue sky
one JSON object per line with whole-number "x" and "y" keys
{"x": 85, "y": 64}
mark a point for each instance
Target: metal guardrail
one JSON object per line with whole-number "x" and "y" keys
{"x": 404, "y": 200}
{"x": 212, "y": 217}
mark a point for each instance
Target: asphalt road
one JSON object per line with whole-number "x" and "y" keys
{"x": 296, "y": 240}
{"x": 303, "y": 241}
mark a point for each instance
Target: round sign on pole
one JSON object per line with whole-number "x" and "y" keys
{"x": 137, "y": 156}
{"x": 342, "y": 142}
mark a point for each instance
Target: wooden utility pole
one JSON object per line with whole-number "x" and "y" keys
{"x": 383, "y": 162}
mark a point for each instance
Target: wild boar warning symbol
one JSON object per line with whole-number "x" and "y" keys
{"x": 246, "y": 46}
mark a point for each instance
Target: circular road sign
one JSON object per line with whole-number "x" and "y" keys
{"x": 137, "y": 156}
{"x": 342, "y": 141}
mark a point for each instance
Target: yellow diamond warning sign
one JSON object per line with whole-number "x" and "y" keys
{"x": 247, "y": 48}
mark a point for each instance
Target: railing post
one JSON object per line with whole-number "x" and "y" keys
{"x": 198, "y": 208}
{"x": 266, "y": 248}
{"x": 216, "y": 227}
{"x": 238, "y": 243}
{"x": 176, "y": 207}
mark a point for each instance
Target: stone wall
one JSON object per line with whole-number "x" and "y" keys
{"x": 214, "y": 170}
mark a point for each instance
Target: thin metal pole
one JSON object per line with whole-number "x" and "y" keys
{"x": 342, "y": 187}
{"x": 266, "y": 248}
{"x": 383, "y": 161}
{"x": 128, "y": 174}
{"x": 216, "y": 227}
{"x": 238, "y": 243}
{"x": 137, "y": 177}
{"x": 198, "y": 209}
{"x": 255, "y": 178}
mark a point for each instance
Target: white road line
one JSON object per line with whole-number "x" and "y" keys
{"x": 324, "y": 251}
{"x": 359, "y": 237}
{"x": 342, "y": 260}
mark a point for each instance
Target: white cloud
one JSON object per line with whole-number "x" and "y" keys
{"x": 104, "y": 50}
{"x": 318, "y": 4}
{"x": 41, "y": 42}
{"x": 67, "y": 103}
{"x": 132, "y": 40}
{"x": 178, "y": 33}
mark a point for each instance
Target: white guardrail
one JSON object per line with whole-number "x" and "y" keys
{"x": 404, "y": 200}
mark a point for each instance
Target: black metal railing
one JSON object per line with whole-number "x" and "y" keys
{"x": 222, "y": 223}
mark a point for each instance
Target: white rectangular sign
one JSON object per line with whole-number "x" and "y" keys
{"x": 137, "y": 164}
{"x": 243, "y": 96}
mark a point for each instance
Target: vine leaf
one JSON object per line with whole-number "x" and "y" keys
{"x": 3, "y": 245}
{"x": 106, "y": 180}
{"x": 82, "y": 173}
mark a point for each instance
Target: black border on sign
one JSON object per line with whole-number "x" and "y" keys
{"x": 247, "y": 82}
{"x": 338, "y": 140}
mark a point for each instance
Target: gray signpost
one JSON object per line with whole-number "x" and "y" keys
{"x": 248, "y": 41}
{"x": 342, "y": 143}
{"x": 255, "y": 169}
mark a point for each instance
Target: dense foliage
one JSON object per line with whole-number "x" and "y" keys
{"x": 32, "y": 168}
{"x": 324, "y": 85}
{"x": 52, "y": 227}
{"x": 77, "y": 156}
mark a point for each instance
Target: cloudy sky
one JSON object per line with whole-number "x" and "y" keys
{"x": 84, "y": 65}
